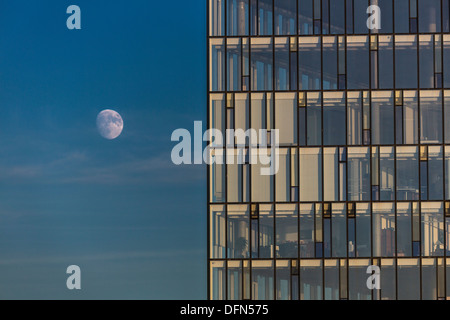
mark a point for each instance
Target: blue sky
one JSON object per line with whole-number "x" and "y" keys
{"x": 134, "y": 222}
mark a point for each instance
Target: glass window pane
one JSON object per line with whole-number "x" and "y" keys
{"x": 310, "y": 63}
{"x": 431, "y": 116}
{"x": 447, "y": 172}
{"x": 311, "y": 280}
{"x": 310, "y": 174}
{"x": 286, "y": 231}
{"x": 410, "y": 117}
{"x": 408, "y": 275}
{"x": 387, "y": 174}
{"x": 357, "y": 280}
{"x": 407, "y": 173}
{"x": 286, "y": 118}
{"x": 337, "y": 19}
{"x": 354, "y": 118}
{"x": 262, "y": 280}
{"x": 305, "y": 16}
{"x": 237, "y": 17}
{"x": 447, "y": 115}
{"x": 314, "y": 119}
{"x": 363, "y": 230}
{"x": 217, "y": 65}
{"x": 282, "y": 177}
{"x": 404, "y": 236}
{"x": 218, "y": 180}
{"x": 331, "y": 281}
{"x": 401, "y": 11}
{"x": 235, "y": 284}
{"x": 405, "y": 57}
{"x": 218, "y": 280}
{"x": 307, "y": 230}
{"x": 429, "y": 15}
{"x": 426, "y": 61}
{"x": 262, "y": 17}
{"x": 386, "y": 61}
{"x": 358, "y": 174}
{"x": 285, "y": 17}
{"x": 216, "y": 16}
{"x": 238, "y": 231}
{"x": 331, "y": 174}
{"x": 330, "y": 73}
{"x": 432, "y": 229}
{"x": 383, "y": 230}
{"x": 429, "y": 288}
{"x": 383, "y": 117}
{"x": 435, "y": 174}
{"x": 358, "y": 54}
{"x": 388, "y": 279}
{"x": 334, "y": 118}
{"x": 386, "y": 16}
{"x": 234, "y": 57}
{"x": 282, "y": 64}
{"x": 262, "y": 63}
{"x": 262, "y": 185}
{"x": 217, "y": 232}
{"x": 339, "y": 230}
{"x": 283, "y": 277}
{"x": 266, "y": 233}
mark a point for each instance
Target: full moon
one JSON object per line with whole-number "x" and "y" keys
{"x": 109, "y": 124}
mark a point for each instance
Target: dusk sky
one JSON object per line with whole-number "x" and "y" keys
{"x": 134, "y": 222}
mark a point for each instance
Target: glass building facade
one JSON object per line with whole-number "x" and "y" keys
{"x": 364, "y": 165}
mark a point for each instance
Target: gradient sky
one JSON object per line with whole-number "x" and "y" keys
{"x": 134, "y": 222}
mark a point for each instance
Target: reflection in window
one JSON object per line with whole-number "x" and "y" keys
{"x": 237, "y": 17}
{"x": 358, "y": 174}
{"x": 234, "y": 57}
{"x": 387, "y": 174}
{"x": 385, "y": 61}
{"x": 404, "y": 225}
{"x": 310, "y": 63}
{"x": 266, "y": 233}
{"x": 429, "y": 288}
{"x": 383, "y": 230}
{"x": 282, "y": 65}
{"x": 337, "y": 18}
{"x": 238, "y": 231}
{"x": 426, "y": 61}
{"x": 218, "y": 179}
{"x": 429, "y": 15}
{"x": 432, "y": 229}
{"x": 310, "y": 174}
{"x": 217, "y": 65}
{"x": 283, "y": 276}
{"x": 282, "y": 178}
{"x": 286, "y": 118}
{"x": 407, "y": 173}
{"x": 358, "y": 58}
{"x": 262, "y": 64}
{"x": 287, "y": 231}
{"x": 216, "y": 17}
{"x": 447, "y": 115}
{"x": 262, "y": 185}
{"x": 331, "y": 174}
{"x": 218, "y": 280}
{"x": 235, "y": 284}
{"x": 363, "y": 230}
{"x": 217, "y": 232}
{"x": 446, "y": 56}
{"x": 331, "y": 281}
{"x": 334, "y": 118}
{"x": 311, "y": 280}
{"x": 405, "y": 57}
{"x": 329, "y": 61}
{"x": 314, "y": 119}
{"x": 447, "y": 172}
{"x": 285, "y": 17}
{"x": 401, "y": 12}
{"x": 382, "y": 117}
{"x": 307, "y": 230}
{"x": 408, "y": 274}
{"x": 339, "y": 230}
{"x": 388, "y": 279}
{"x": 305, "y": 16}
{"x": 386, "y": 16}
{"x": 410, "y": 117}
{"x": 262, "y": 280}
{"x": 357, "y": 280}
{"x": 354, "y": 118}
{"x": 431, "y": 116}
{"x": 435, "y": 174}
{"x": 261, "y": 17}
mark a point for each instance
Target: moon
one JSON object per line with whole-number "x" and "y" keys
{"x": 109, "y": 124}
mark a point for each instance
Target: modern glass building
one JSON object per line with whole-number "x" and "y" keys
{"x": 364, "y": 163}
